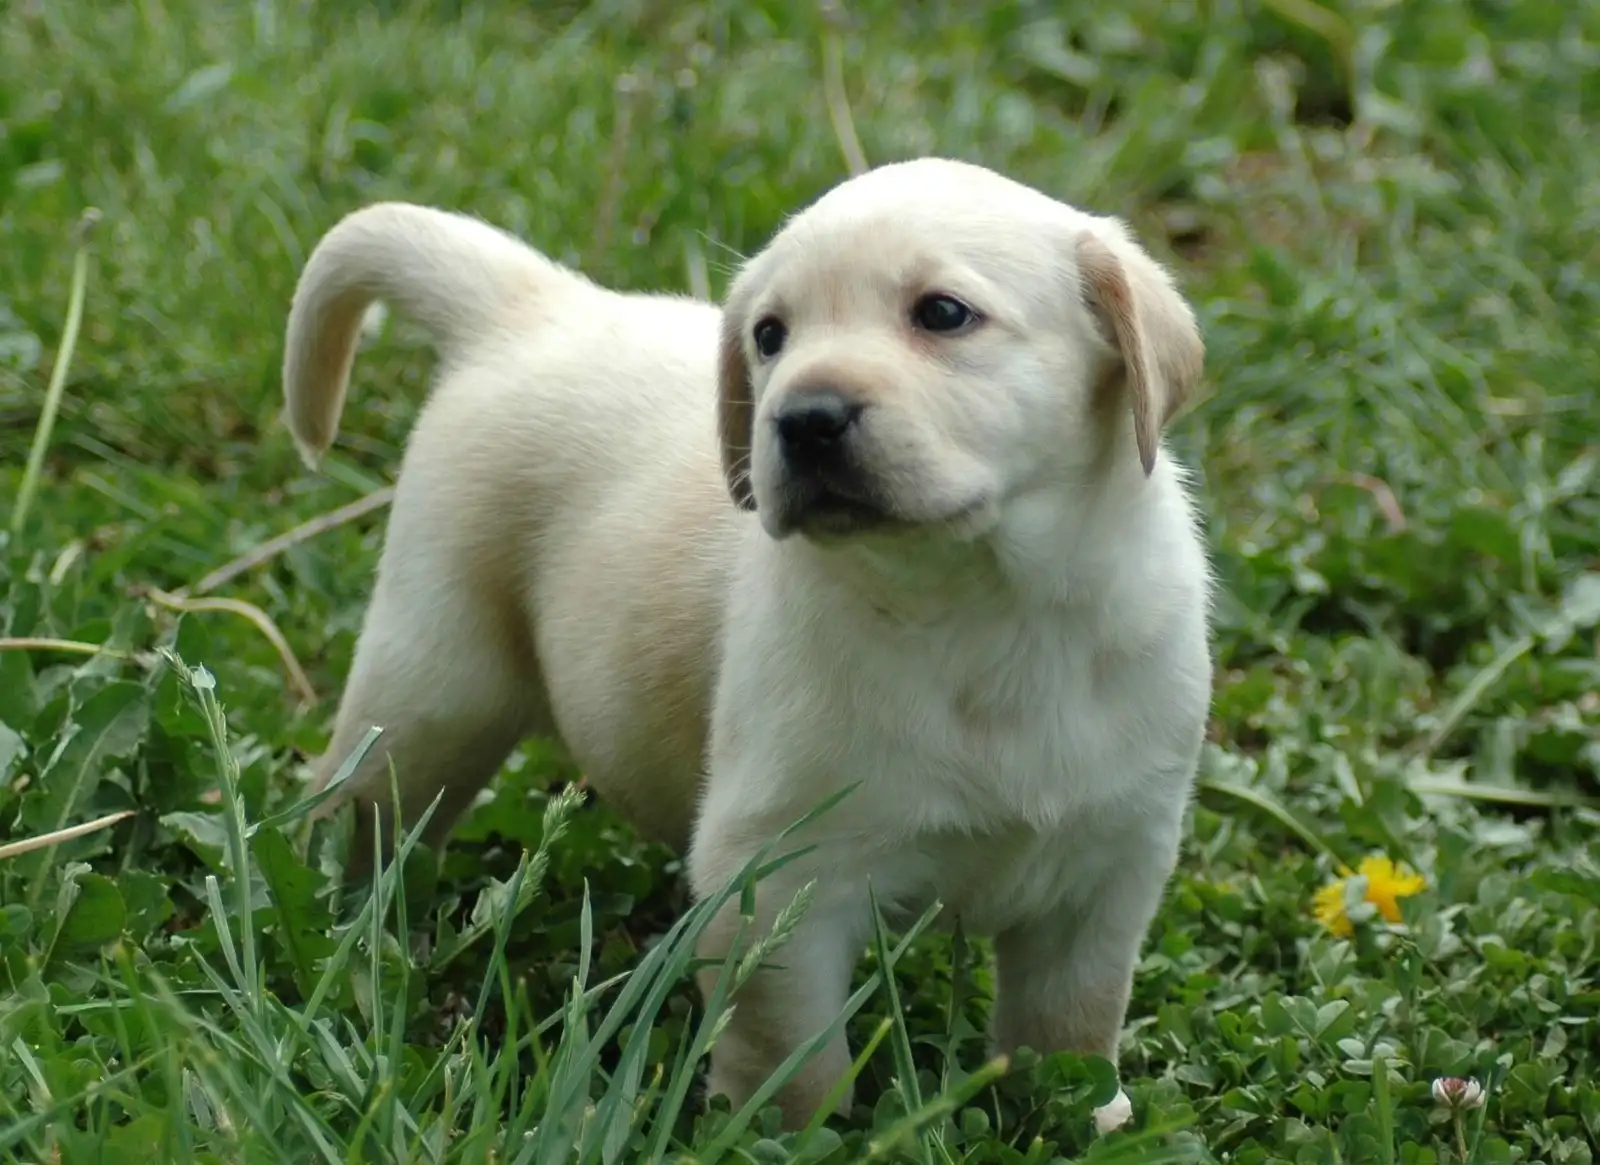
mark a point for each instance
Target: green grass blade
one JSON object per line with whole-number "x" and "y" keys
{"x": 34, "y": 469}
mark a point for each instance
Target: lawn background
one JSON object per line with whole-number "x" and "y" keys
{"x": 1387, "y": 215}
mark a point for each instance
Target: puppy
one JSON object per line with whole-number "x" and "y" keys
{"x": 898, "y": 517}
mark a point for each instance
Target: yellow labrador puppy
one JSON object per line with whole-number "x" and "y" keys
{"x": 899, "y": 515}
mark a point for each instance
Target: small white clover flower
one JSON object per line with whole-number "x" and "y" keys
{"x": 1458, "y": 1092}
{"x": 1113, "y": 1114}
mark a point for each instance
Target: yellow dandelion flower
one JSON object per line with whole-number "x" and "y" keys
{"x": 1328, "y": 909}
{"x": 1387, "y": 883}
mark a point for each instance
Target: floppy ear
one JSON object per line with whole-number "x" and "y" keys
{"x": 1154, "y": 329}
{"x": 735, "y": 408}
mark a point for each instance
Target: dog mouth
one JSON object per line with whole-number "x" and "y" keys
{"x": 836, "y": 515}
{"x": 829, "y": 515}
{"x": 823, "y": 510}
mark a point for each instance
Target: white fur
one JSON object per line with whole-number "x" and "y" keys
{"x": 1113, "y": 1114}
{"x": 1015, "y": 670}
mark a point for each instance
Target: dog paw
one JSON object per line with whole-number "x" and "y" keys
{"x": 1113, "y": 1114}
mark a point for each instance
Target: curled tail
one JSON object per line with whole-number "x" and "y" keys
{"x": 455, "y": 275}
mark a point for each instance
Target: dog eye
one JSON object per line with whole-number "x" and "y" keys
{"x": 769, "y": 337}
{"x": 942, "y": 313}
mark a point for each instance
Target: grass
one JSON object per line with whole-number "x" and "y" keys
{"x": 1387, "y": 216}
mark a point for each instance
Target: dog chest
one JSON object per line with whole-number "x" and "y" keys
{"x": 992, "y": 881}
{"x": 1023, "y": 726}
{"x": 990, "y": 751}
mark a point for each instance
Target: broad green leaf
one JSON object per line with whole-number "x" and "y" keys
{"x": 107, "y": 726}
{"x": 147, "y": 901}
{"x": 302, "y": 918}
{"x": 16, "y": 924}
{"x": 204, "y": 833}
{"x": 90, "y": 912}
{"x": 12, "y": 749}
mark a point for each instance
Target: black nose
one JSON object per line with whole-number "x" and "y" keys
{"x": 812, "y": 425}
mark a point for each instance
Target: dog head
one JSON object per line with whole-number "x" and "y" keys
{"x": 929, "y": 339}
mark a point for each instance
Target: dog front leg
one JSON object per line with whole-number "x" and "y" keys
{"x": 794, "y": 995}
{"x": 1063, "y": 981}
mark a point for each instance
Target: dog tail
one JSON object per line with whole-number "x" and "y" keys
{"x": 457, "y": 276}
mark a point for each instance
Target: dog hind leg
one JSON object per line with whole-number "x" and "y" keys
{"x": 449, "y": 678}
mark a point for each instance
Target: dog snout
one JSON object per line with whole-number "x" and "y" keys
{"x": 814, "y": 426}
